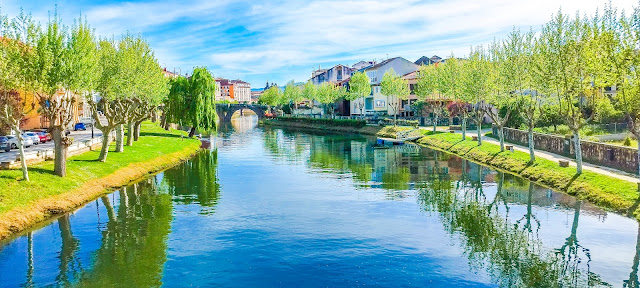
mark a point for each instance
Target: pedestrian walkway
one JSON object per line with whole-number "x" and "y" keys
{"x": 553, "y": 157}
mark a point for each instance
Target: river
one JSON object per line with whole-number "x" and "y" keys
{"x": 272, "y": 207}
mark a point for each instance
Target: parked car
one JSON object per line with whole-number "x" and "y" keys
{"x": 34, "y": 137}
{"x": 43, "y": 137}
{"x": 13, "y": 142}
{"x": 46, "y": 133}
{"x": 4, "y": 144}
{"x": 80, "y": 126}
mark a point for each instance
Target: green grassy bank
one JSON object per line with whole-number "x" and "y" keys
{"x": 23, "y": 204}
{"x": 608, "y": 192}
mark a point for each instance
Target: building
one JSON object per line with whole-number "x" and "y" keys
{"x": 428, "y": 61}
{"x": 233, "y": 91}
{"x": 169, "y": 74}
{"x": 362, "y": 64}
{"x": 333, "y": 75}
{"x": 377, "y": 103}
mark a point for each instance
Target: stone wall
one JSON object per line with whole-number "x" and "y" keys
{"x": 613, "y": 156}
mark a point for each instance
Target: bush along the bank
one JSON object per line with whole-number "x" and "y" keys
{"x": 402, "y": 122}
{"x": 606, "y": 191}
{"x": 357, "y": 123}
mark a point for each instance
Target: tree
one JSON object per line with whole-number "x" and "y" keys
{"x": 477, "y": 84}
{"x": 309, "y": 92}
{"x": 200, "y": 103}
{"x": 327, "y": 94}
{"x": 66, "y": 64}
{"x": 430, "y": 90}
{"x": 272, "y": 97}
{"x": 452, "y": 84}
{"x": 17, "y": 55}
{"x": 506, "y": 73}
{"x": 396, "y": 89}
{"x": 359, "y": 88}
{"x": 293, "y": 93}
{"x": 568, "y": 43}
{"x": 619, "y": 48}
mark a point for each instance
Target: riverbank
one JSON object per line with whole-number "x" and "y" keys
{"x": 366, "y": 130}
{"x": 608, "y": 192}
{"x": 24, "y": 204}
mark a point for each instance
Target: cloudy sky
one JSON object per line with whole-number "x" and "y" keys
{"x": 278, "y": 41}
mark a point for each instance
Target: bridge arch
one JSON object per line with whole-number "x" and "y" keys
{"x": 225, "y": 111}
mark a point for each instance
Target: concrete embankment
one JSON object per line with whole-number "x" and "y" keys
{"x": 366, "y": 130}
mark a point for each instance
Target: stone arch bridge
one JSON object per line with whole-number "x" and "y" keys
{"x": 226, "y": 111}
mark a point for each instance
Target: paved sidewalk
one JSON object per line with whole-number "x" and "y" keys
{"x": 555, "y": 157}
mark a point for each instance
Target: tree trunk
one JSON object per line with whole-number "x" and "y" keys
{"x": 192, "y": 132}
{"x": 532, "y": 151}
{"x": 578, "y": 150}
{"x": 501, "y": 136}
{"x": 638, "y": 139}
{"x": 130, "y": 125}
{"x": 23, "y": 161}
{"x": 136, "y": 131}
{"x": 464, "y": 127}
{"x": 106, "y": 141}
{"x": 60, "y": 151}
{"x": 479, "y": 128}
{"x": 119, "y": 138}
{"x": 435, "y": 122}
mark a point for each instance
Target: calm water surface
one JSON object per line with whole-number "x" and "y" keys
{"x": 271, "y": 207}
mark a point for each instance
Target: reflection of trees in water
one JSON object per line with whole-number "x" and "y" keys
{"x": 196, "y": 181}
{"x": 633, "y": 277}
{"x": 69, "y": 264}
{"x": 133, "y": 249}
{"x": 491, "y": 242}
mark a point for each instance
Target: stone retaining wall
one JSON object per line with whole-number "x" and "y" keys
{"x": 613, "y": 156}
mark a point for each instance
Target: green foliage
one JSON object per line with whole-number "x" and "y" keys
{"x": 359, "y": 86}
{"x": 272, "y": 97}
{"x": 292, "y": 93}
{"x": 191, "y": 101}
{"x": 627, "y": 141}
{"x": 325, "y": 121}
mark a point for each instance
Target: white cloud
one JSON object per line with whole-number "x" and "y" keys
{"x": 289, "y": 37}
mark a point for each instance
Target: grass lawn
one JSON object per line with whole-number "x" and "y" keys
{"x": 154, "y": 142}
{"x": 608, "y": 192}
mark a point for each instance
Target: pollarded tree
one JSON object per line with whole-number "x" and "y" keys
{"x": 430, "y": 90}
{"x": 152, "y": 91}
{"x": 293, "y": 94}
{"x": 110, "y": 97}
{"x": 477, "y": 72}
{"x": 17, "y": 54}
{"x": 396, "y": 89}
{"x": 67, "y": 63}
{"x": 568, "y": 42}
{"x": 620, "y": 50}
{"x": 359, "y": 88}
{"x": 506, "y": 81}
{"x": 452, "y": 84}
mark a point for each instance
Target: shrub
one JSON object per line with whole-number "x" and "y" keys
{"x": 627, "y": 142}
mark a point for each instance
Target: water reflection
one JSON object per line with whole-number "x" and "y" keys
{"x": 330, "y": 210}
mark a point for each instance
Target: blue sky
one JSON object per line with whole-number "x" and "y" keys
{"x": 277, "y": 41}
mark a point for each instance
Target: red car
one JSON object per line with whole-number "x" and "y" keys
{"x": 43, "y": 132}
{"x": 43, "y": 137}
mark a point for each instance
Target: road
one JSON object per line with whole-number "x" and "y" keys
{"x": 77, "y": 136}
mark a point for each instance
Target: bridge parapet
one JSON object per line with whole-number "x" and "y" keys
{"x": 226, "y": 111}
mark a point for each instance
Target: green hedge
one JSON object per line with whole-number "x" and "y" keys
{"x": 325, "y": 121}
